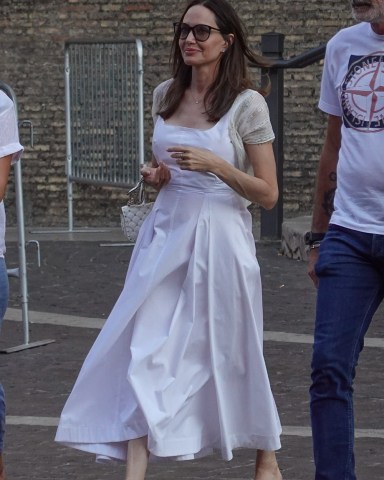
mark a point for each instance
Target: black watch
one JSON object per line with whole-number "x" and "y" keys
{"x": 312, "y": 237}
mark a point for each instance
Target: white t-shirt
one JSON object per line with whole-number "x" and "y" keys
{"x": 9, "y": 145}
{"x": 353, "y": 88}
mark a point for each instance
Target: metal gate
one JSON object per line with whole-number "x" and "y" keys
{"x": 104, "y": 114}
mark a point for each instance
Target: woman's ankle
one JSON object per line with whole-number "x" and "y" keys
{"x": 137, "y": 459}
{"x": 267, "y": 467}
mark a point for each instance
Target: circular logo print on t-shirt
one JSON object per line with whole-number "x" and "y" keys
{"x": 362, "y": 93}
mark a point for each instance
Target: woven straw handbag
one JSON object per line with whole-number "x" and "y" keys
{"x": 133, "y": 214}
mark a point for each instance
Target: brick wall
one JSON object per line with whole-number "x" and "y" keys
{"x": 32, "y": 38}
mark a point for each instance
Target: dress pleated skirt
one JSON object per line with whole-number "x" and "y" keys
{"x": 180, "y": 358}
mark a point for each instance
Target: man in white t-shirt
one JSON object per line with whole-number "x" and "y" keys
{"x": 346, "y": 244}
{"x": 10, "y": 152}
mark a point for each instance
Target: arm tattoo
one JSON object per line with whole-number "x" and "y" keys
{"x": 329, "y": 196}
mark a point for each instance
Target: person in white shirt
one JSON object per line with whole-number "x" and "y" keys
{"x": 346, "y": 244}
{"x": 10, "y": 152}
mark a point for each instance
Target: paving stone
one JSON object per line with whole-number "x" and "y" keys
{"x": 83, "y": 279}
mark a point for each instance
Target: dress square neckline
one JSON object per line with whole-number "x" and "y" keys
{"x": 193, "y": 128}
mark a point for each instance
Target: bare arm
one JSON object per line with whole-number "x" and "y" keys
{"x": 325, "y": 185}
{"x": 326, "y": 176}
{"x": 5, "y": 167}
{"x": 260, "y": 188}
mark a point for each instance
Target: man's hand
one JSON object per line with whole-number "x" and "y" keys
{"x": 312, "y": 260}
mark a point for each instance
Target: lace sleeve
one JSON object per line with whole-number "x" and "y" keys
{"x": 254, "y": 125}
{"x": 158, "y": 95}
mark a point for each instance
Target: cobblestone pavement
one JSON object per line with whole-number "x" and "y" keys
{"x": 83, "y": 279}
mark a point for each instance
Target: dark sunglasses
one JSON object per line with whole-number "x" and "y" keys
{"x": 200, "y": 32}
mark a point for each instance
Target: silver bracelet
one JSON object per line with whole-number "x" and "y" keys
{"x": 313, "y": 246}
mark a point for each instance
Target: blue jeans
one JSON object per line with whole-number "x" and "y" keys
{"x": 350, "y": 269}
{"x": 4, "y": 290}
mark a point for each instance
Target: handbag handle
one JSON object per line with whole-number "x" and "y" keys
{"x": 140, "y": 184}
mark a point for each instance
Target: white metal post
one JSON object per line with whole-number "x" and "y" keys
{"x": 68, "y": 142}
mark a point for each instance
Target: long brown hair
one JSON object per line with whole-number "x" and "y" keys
{"x": 232, "y": 77}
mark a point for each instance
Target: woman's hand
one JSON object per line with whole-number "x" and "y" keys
{"x": 195, "y": 159}
{"x": 156, "y": 177}
{"x": 261, "y": 188}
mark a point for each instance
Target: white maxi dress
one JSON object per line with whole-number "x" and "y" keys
{"x": 180, "y": 358}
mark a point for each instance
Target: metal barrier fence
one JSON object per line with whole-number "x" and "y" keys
{"x": 21, "y": 271}
{"x": 104, "y": 114}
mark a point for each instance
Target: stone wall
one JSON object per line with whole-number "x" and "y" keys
{"x": 32, "y": 38}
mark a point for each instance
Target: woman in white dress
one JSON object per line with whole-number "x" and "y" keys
{"x": 178, "y": 369}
